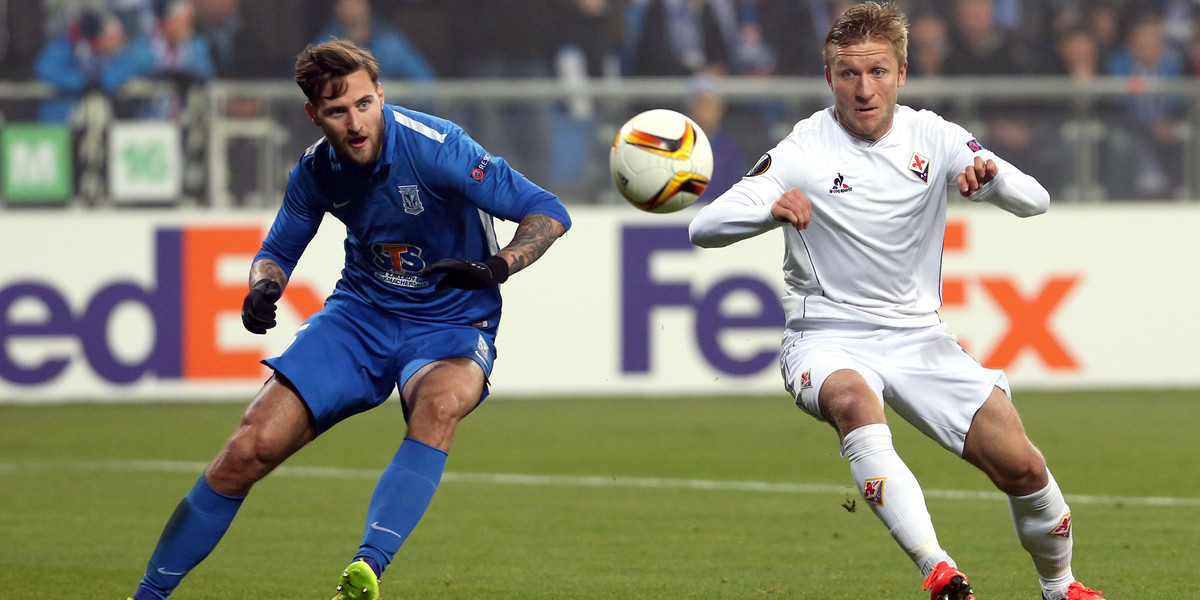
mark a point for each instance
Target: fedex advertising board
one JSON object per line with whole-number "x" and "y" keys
{"x": 136, "y": 306}
{"x": 103, "y": 306}
{"x": 1082, "y": 296}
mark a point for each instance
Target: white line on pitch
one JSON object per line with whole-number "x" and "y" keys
{"x": 163, "y": 466}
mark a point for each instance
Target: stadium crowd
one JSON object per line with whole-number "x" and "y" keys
{"x": 80, "y": 46}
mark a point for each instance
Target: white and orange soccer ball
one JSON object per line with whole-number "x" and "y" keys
{"x": 661, "y": 161}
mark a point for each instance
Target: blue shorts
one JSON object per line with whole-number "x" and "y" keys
{"x": 350, "y": 356}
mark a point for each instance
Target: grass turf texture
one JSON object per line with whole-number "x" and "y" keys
{"x": 86, "y": 489}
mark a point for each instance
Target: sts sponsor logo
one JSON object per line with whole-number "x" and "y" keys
{"x": 399, "y": 264}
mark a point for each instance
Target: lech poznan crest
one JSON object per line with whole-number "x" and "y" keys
{"x": 412, "y": 199}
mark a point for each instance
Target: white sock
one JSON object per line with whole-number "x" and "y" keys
{"x": 1043, "y": 523}
{"x": 891, "y": 490}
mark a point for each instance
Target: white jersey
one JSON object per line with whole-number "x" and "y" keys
{"x": 872, "y": 251}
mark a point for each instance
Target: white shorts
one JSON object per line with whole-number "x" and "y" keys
{"x": 921, "y": 373}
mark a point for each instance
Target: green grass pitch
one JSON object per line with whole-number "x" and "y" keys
{"x": 598, "y": 498}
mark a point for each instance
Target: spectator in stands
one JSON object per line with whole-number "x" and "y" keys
{"x": 138, "y": 16}
{"x": 1103, "y": 19}
{"x": 257, "y": 39}
{"x": 1078, "y": 55}
{"x": 591, "y": 29}
{"x": 979, "y": 46}
{"x": 354, "y": 20}
{"x": 928, "y": 45}
{"x": 1027, "y": 24}
{"x": 751, "y": 54}
{"x": 679, "y": 38}
{"x": 492, "y": 39}
{"x": 220, "y": 22}
{"x": 174, "y": 53}
{"x": 1091, "y": 125}
{"x": 22, "y": 37}
{"x": 1153, "y": 121}
{"x": 794, "y": 32}
{"x": 929, "y": 49}
{"x": 587, "y": 45}
{"x": 89, "y": 56}
{"x": 707, "y": 108}
{"x": 1178, "y": 21}
{"x": 1192, "y": 56}
{"x": 1033, "y": 136}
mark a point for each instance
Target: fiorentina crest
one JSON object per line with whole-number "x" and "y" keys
{"x": 1063, "y": 529}
{"x": 920, "y": 165}
{"x": 873, "y": 490}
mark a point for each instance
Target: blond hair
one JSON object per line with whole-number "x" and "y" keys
{"x": 869, "y": 22}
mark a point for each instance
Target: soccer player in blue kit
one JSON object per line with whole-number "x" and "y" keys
{"x": 417, "y": 307}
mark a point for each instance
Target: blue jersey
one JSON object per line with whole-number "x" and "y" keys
{"x": 432, "y": 195}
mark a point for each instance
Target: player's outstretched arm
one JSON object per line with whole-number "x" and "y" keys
{"x": 733, "y": 217}
{"x": 267, "y": 281}
{"x": 533, "y": 237}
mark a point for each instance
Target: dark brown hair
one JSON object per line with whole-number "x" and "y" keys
{"x": 331, "y": 62}
{"x": 868, "y": 22}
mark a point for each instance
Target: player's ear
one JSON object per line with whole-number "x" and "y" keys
{"x": 903, "y": 74}
{"x": 828, "y": 77}
{"x": 311, "y": 112}
{"x": 379, "y": 90}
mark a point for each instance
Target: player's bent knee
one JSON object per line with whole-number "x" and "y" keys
{"x": 1021, "y": 478}
{"x": 439, "y": 410}
{"x": 251, "y": 454}
{"x": 851, "y": 411}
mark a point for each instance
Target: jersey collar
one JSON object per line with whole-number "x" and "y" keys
{"x": 857, "y": 141}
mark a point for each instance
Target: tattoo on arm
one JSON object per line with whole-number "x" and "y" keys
{"x": 267, "y": 269}
{"x": 534, "y": 235}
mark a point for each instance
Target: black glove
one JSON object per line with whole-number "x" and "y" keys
{"x": 258, "y": 309}
{"x": 467, "y": 275}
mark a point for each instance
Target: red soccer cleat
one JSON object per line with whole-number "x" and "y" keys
{"x": 948, "y": 583}
{"x": 1078, "y": 591}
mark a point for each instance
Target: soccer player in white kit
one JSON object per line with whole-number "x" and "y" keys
{"x": 860, "y": 190}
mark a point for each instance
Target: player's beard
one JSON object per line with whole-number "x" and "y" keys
{"x": 364, "y": 155}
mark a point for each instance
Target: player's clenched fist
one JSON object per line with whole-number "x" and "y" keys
{"x": 467, "y": 275}
{"x": 792, "y": 207}
{"x": 258, "y": 309}
{"x": 975, "y": 176}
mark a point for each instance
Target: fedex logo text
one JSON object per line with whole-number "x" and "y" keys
{"x": 1028, "y": 313}
{"x": 184, "y": 301}
{"x": 642, "y": 294}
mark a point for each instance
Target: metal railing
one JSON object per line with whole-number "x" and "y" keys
{"x": 1080, "y": 134}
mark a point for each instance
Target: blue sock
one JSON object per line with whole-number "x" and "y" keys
{"x": 191, "y": 533}
{"x": 400, "y": 499}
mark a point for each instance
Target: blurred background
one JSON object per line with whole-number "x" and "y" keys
{"x": 144, "y": 150}
{"x": 145, "y": 146}
{"x": 191, "y": 102}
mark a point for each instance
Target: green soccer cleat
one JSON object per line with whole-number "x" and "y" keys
{"x": 358, "y": 582}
